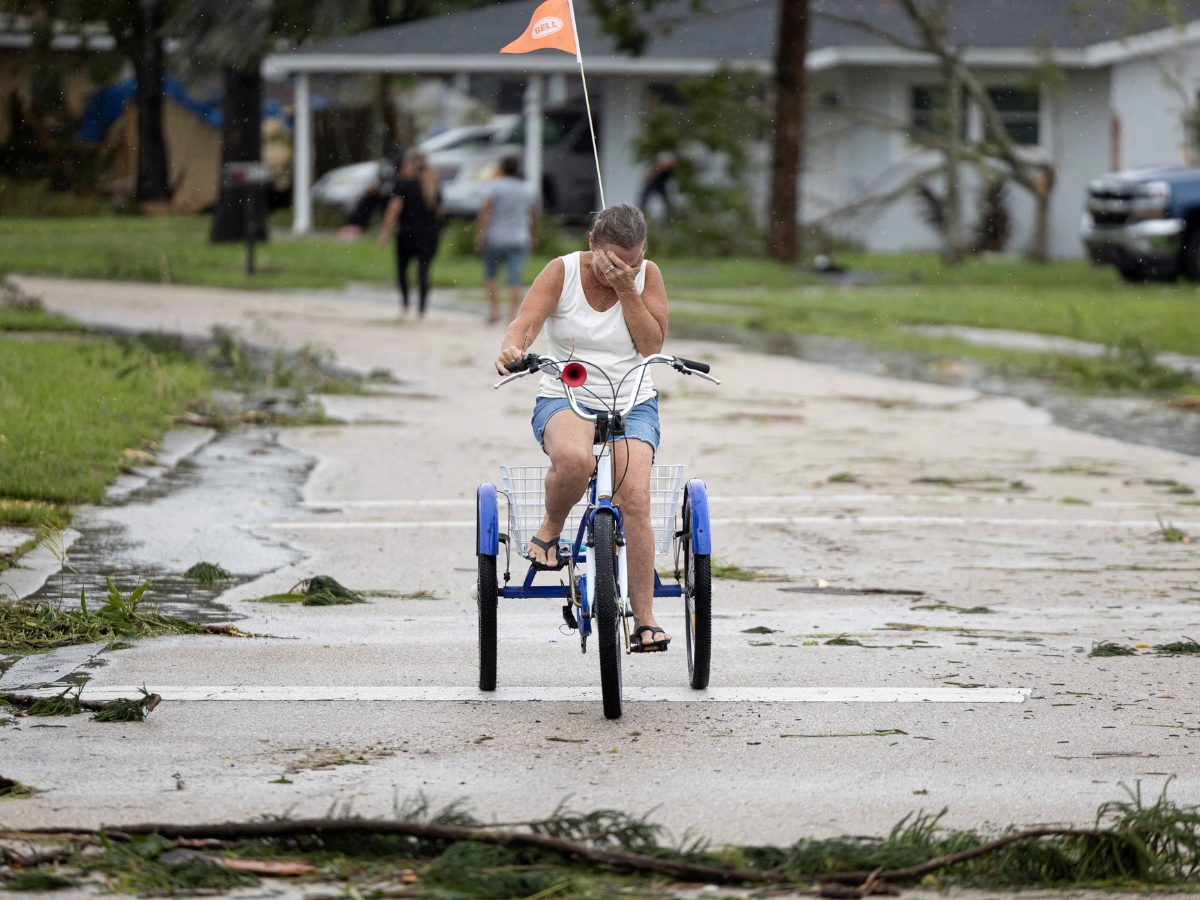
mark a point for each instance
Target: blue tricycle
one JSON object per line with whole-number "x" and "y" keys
{"x": 596, "y": 594}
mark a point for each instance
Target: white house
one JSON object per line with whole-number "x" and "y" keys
{"x": 1119, "y": 98}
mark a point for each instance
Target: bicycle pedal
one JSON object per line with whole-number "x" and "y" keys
{"x": 629, "y": 613}
{"x": 569, "y": 618}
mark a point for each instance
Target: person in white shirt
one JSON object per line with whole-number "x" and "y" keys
{"x": 606, "y": 305}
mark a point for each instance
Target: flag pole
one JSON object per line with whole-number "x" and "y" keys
{"x": 587, "y": 102}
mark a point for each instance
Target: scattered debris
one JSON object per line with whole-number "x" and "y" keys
{"x": 1170, "y": 533}
{"x": 760, "y": 629}
{"x": 1187, "y": 646}
{"x": 968, "y": 610}
{"x": 422, "y": 594}
{"x": 898, "y": 592}
{"x": 123, "y": 710}
{"x": 37, "y": 881}
{"x": 563, "y": 740}
{"x": 880, "y": 732}
{"x": 327, "y": 757}
{"x": 62, "y": 705}
{"x": 843, "y": 641}
{"x": 207, "y": 573}
{"x": 733, "y": 572}
{"x": 10, "y": 789}
{"x": 322, "y": 590}
{"x": 1109, "y": 648}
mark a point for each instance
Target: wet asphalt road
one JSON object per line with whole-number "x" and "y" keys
{"x": 976, "y": 501}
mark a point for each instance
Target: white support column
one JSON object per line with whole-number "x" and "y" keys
{"x": 533, "y": 132}
{"x": 619, "y": 126}
{"x": 302, "y": 157}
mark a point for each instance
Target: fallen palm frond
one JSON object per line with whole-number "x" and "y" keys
{"x": 123, "y": 710}
{"x": 207, "y": 573}
{"x": 62, "y": 705}
{"x": 1109, "y": 648}
{"x": 843, "y": 641}
{"x": 119, "y": 710}
{"x": 1131, "y": 844}
{"x": 1187, "y": 646}
{"x": 322, "y": 590}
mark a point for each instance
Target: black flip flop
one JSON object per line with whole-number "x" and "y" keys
{"x": 637, "y": 645}
{"x": 547, "y": 546}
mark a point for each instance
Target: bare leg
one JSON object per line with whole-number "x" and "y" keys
{"x": 493, "y": 301}
{"x": 514, "y": 301}
{"x": 633, "y": 496}
{"x": 568, "y": 441}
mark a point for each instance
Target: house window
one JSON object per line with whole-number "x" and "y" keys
{"x": 930, "y": 116}
{"x": 1019, "y": 111}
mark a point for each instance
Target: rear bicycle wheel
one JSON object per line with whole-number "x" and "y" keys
{"x": 607, "y": 611}
{"x": 487, "y": 622}
{"x": 697, "y": 598}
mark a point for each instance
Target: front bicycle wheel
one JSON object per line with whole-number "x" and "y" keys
{"x": 697, "y": 598}
{"x": 607, "y": 611}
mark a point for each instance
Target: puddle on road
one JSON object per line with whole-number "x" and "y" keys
{"x": 195, "y": 512}
{"x": 1134, "y": 420}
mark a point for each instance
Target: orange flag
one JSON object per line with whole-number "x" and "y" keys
{"x": 552, "y": 25}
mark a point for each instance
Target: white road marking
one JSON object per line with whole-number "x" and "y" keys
{"x": 449, "y": 694}
{"x": 820, "y": 499}
{"x": 776, "y": 520}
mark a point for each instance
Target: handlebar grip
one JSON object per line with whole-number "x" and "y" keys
{"x": 524, "y": 364}
{"x": 695, "y": 366}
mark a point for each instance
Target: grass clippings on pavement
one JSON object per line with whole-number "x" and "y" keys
{"x": 37, "y": 882}
{"x": 843, "y": 641}
{"x": 323, "y": 590}
{"x": 1169, "y": 533}
{"x": 29, "y": 627}
{"x": 733, "y": 572}
{"x": 883, "y": 732}
{"x": 61, "y": 705}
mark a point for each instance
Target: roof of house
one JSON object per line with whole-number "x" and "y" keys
{"x": 742, "y": 31}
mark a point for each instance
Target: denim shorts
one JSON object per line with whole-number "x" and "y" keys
{"x": 513, "y": 259}
{"x": 641, "y": 424}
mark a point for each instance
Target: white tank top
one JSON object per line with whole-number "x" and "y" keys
{"x": 576, "y": 330}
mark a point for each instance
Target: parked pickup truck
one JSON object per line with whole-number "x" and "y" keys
{"x": 1146, "y": 222}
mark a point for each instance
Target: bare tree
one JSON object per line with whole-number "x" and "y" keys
{"x": 928, "y": 20}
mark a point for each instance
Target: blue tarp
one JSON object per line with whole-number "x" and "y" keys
{"x": 104, "y": 107}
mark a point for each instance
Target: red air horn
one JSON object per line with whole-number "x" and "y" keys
{"x": 574, "y": 374}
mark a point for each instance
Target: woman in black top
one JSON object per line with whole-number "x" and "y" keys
{"x": 416, "y": 201}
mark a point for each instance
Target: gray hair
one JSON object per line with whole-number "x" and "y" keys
{"x": 622, "y": 225}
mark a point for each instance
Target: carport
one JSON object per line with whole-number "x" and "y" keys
{"x": 469, "y": 43}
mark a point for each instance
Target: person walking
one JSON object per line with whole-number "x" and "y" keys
{"x": 505, "y": 234}
{"x": 416, "y": 205}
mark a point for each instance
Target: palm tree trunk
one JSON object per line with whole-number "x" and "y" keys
{"x": 786, "y": 165}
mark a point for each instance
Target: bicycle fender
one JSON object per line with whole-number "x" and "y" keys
{"x": 487, "y": 539}
{"x": 701, "y": 531}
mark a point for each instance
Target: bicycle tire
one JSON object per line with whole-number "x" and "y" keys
{"x": 607, "y": 611}
{"x": 697, "y": 599}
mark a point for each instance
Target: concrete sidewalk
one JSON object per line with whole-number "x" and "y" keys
{"x": 817, "y": 475}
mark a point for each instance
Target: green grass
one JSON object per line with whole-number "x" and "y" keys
{"x": 1067, "y": 298}
{"x": 68, "y": 409}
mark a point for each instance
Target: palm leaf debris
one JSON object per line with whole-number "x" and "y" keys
{"x": 322, "y": 590}
{"x": 1186, "y": 647}
{"x": 1109, "y": 648}
{"x": 62, "y": 705}
{"x": 207, "y": 573}
{"x": 1132, "y": 844}
{"x": 124, "y": 710}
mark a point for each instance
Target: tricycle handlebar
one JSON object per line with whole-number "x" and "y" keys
{"x": 532, "y": 362}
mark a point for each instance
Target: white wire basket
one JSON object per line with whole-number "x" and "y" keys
{"x": 525, "y": 489}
